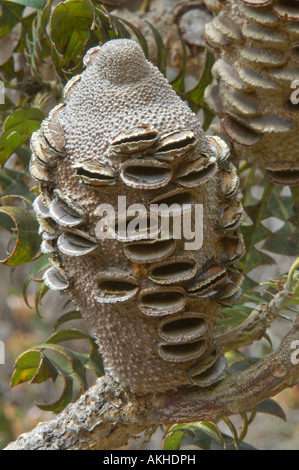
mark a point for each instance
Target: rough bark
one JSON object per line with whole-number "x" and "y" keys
{"x": 105, "y": 417}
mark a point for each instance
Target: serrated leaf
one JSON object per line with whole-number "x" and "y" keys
{"x": 17, "y": 129}
{"x": 27, "y": 241}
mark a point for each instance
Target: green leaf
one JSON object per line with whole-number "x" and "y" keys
{"x": 33, "y": 366}
{"x": 284, "y": 242}
{"x": 94, "y": 360}
{"x": 73, "y": 360}
{"x": 13, "y": 182}
{"x": 37, "y": 4}
{"x": 178, "y": 84}
{"x": 280, "y": 206}
{"x": 11, "y": 15}
{"x": 25, "y": 227}
{"x": 232, "y": 317}
{"x": 271, "y": 407}
{"x": 69, "y": 316}
{"x": 173, "y": 440}
{"x": 196, "y": 95}
{"x": 17, "y": 129}
{"x": 39, "y": 294}
{"x": 211, "y": 429}
{"x": 230, "y": 444}
{"x": 39, "y": 266}
{"x": 67, "y": 335}
{"x": 161, "y": 50}
{"x": 235, "y": 357}
{"x": 64, "y": 399}
{"x": 139, "y": 35}
{"x": 197, "y": 438}
{"x": 70, "y": 26}
{"x": 207, "y": 427}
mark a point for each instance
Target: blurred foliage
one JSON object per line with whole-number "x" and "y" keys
{"x": 52, "y": 39}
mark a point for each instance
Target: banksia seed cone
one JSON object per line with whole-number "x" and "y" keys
{"x": 256, "y": 46}
{"x": 153, "y": 304}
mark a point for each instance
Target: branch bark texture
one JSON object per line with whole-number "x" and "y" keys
{"x": 105, "y": 417}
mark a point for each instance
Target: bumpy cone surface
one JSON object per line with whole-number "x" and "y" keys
{"x": 256, "y": 46}
{"x": 152, "y": 300}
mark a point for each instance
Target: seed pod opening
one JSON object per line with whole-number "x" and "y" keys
{"x": 40, "y": 208}
{"x": 74, "y": 244}
{"x": 135, "y": 140}
{"x": 177, "y": 199}
{"x": 150, "y": 251}
{"x": 229, "y": 181}
{"x": 159, "y": 301}
{"x": 39, "y": 171}
{"x": 95, "y": 174}
{"x": 211, "y": 375}
{"x": 182, "y": 352}
{"x": 220, "y": 148}
{"x": 284, "y": 176}
{"x": 196, "y": 172}
{"x": 173, "y": 270}
{"x": 145, "y": 174}
{"x": 175, "y": 144}
{"x": 66, "y": 212}
{"x": 54, "y": 279}
{"x": 115, "y": 286}
{"x": 53, "y": 131}
{"x": 287, "y": 8}
{"x": 240, "y": 133}
{"x": 133, "y": 229}
{"x": 207, "y": 281}
{"x": 182, "y": 328}
{"x": 231, "y": 216}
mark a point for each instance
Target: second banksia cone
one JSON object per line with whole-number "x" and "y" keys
{"x": 257, "y": 64}
{"x": 122, "y": 139}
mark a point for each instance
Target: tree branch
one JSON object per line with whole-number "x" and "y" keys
{"x": 105, "y": 417}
